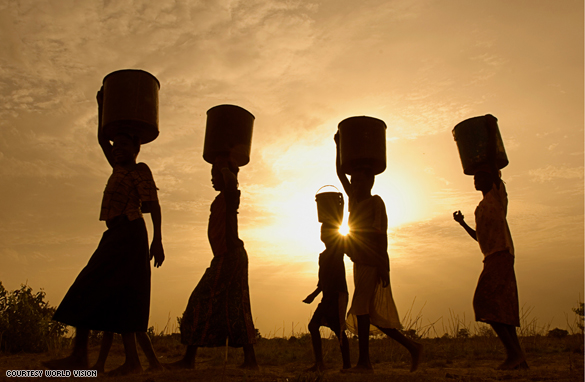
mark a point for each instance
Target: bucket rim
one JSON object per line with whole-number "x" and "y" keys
{"x": 132, "y": 70}
{"x": 327, "y": 185}
{"x": 476, "y": 118}
{"x": 363, "y": 117}
{"x": 231, "y": 106}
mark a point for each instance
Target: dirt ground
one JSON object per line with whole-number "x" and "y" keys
{"x": 562, "y": 366}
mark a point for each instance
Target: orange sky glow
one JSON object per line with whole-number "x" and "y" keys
{"x": 300, "y": 67}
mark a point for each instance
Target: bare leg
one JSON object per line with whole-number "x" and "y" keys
{"x": 146, "y": 346}
{"x": 132, "y": 363}
{"x": 249, "y": 358}
{"x": 317, "y": 347}
{"x": 107, "y": 339}
{"x": 363, "y": 365}
{"x": 78, "y": 358}
{"x": 188, "y": 360}
{"x": 344, "y": 346}
{"x": 515, "y": 355}
{"x": 414, "y": 348}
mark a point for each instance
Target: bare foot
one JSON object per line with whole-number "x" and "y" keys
{"x": 416, "y": 355}
{"x": 180, "y": 364}
{"x": 155, "y": 368}
{"x": 359, "y": 369}
{"x": 67, "y": 363}
{"x": 316, "y": 367}
{"x": 99, "y": 368}
{"x": 249, "y": 366}
{"x": 125, "y": 369}
{"x": 513, "y": 363}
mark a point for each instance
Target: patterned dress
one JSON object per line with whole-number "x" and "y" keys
{"x": 112, "y": 292}
{"x": 368, "y": 249}
{"x": 219, "y": 307}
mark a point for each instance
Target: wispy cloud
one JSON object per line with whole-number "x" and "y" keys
{"x": 550, "y": 172}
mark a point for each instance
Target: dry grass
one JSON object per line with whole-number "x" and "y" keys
{"x": 459, "y": 350}
{"x": 280, "y": 359}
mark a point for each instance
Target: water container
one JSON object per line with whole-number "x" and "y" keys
{"x": 362, "y": 143}
{"x": 228, "y": 132}
{"x": 329, "y": 206}
{"x": 130, "y": 104}
{"x": 471, "y": 137}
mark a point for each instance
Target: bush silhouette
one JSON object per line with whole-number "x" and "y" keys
{"x": 580, "y": 314}
{"x": 25, "y": 321}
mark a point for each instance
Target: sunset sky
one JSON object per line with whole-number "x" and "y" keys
{"x": 300, "y": 67}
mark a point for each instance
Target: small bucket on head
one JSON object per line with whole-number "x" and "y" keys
{"x": 329, "y": 206}
{"x": 362, "y": 143}
{"x": 228, "y": 132}
{"x": 130, "y": 104}
{"x": 471, "y": 137}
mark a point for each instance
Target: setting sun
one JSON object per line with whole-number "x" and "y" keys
{"x": 344, "y": 229}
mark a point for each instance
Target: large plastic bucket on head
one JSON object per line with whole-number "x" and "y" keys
{"x": 130, "y": 104}
{"x": 329, "y": 206}
{"x": 471, "y": 137}
{"x": 228, "y": 132}
{"x": 362, "y": 143}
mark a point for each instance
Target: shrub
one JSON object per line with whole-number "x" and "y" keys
{"x": 412, "y": 334}
{"x": 25, "y": 321}
{"x": 463, "y": 333}
{"x": 557, "y": 333}
{"x": 580, "y": 315}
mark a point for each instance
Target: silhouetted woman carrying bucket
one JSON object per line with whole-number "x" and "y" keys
{"x": 496, "y": 297}
{"x": 112, "y": 292}
{"x": 361, "y": 152}
{"x": 218, "y": 312}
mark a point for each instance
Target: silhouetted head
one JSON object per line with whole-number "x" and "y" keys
{"x": 329, "y": 234}
{"x": 125, "y": 148}
{"x": 362, "y": 181}
{"x": 217, "y": 180}
{"x": 483, "y": 181}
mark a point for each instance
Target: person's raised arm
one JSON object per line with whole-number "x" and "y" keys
{"x": 492, "y": 148}
{"x": 103, "y": 141}
{"x": 340, "y": 174}
{"x": 156, "y": 247}
{"x": 459, "y": 218}
{"x": 230, "y": 179}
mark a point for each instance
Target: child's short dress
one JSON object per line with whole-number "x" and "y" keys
{"x": 367, "y": 248}
{"x": 496, "y": 295}
{"x": 219, "y": 307}
{"x": 331, "y": 310}
{"x": 112, "y": 292}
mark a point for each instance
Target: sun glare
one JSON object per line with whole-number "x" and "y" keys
{"x": 344, "y": 229}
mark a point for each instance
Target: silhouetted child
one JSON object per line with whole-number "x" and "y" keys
{"x": 143, "y": 341}
{"x": 496, "y": 297}
{"x": 331, "y": 310}
{"x": 367, "y": 246}
{"x": 218, "y": 311}
{"x": 112, "y": 292}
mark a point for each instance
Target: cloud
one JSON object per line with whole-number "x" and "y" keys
{"x": 548, "y": 173}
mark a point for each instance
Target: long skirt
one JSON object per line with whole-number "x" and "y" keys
{"x": 370, "y": 297}
{"x": 112, "y": 292}
{"x": 496, "y": 295}
{"x": 219, "y": 307}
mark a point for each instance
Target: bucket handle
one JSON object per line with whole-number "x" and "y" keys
{"x": 327, "y": 185}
